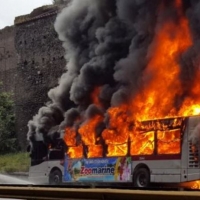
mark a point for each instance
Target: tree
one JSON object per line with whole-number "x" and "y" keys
{"x": 8, "y": 140}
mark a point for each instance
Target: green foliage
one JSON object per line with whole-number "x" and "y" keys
{"x": 14, "y": 162}
{"x": 8, "y": 141}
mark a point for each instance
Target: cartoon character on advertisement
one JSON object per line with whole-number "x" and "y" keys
{"x": 117, "y": 169}
{"x": 122, "y": 169}
{"x": 69, "y": 171}
{"x": 126, "y": 171}
{"x": 73, "y": 167}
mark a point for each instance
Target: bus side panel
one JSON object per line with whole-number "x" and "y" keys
{"x": 112, "y": 169}
{"x": 55, "y": 164}
{"x": 193, "y": 174}
{"x": 184, "y": 156}
{"x": 38, "y": 173}
{"x": 163, "y": 171}
{"x": 192, "y": 154}
{"x": 166, "y": 178}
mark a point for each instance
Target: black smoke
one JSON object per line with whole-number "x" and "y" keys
{"x": 107, "y": 45}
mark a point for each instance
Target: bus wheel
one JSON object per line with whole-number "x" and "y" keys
{"x": 141, "y": 178}
{"x": 55, "y": 177}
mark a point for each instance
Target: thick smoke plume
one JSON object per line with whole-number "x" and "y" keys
{"x": 195, "y": 136}
{"x": 109, "y": 44}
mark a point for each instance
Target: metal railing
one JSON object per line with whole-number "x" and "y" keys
{"x": 42, "y": 193}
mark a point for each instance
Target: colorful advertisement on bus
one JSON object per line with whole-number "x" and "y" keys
{"x": 117, "y": 169}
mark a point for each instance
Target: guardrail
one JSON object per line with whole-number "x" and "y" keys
{"x": 42, "y": 193}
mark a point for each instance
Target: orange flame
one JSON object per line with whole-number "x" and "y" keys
{"x": 178, "y": 4}
{"x": 117, "y": 150}
{"x": 163, "y": 84}
{"x": 142, "y": 143}
{"x": 155, "y": 100}
{"x": 191, "y": 105}
{"x": 169, "y": 141}
{"x": 95, "y": 151}
{"x": 88, "y": 135}
{"x": 87, "y": 130}
{"x": 95, "y": 96}
{"x": 118, "y": 133}
{"x": 70, "y": 136}
{"x": 195, "y": 185}
{"x": 75, "y": 152}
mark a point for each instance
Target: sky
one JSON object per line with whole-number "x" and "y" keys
{"x": 9, "y": 9}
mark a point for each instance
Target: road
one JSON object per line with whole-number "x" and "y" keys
{"x": 32, "y": 192}
{"x": 6, "y": 179}
{"x": 11, "y": 180}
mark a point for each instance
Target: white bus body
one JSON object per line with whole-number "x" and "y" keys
{"x": 173, "y": 168}
{"x": 145, "y": 169}
{"x": 48, "y": 171}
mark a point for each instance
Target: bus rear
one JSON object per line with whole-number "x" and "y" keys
{"x": 47, "y": 163}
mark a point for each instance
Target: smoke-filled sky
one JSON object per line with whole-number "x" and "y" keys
{"x": 9, "y": 9}
{"x": 126, "y": 60}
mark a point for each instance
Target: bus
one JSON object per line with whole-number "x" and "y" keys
{"x": 158, "y": 151}
{"x": 47, "y": 163}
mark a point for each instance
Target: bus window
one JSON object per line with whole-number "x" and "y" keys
{"x": 95, "y": 151}
{"x": 142, "y": 143}
{"x": 168, "y": 142}
{"x": 75, "y": 152}
{"x": 39, "y": 153}
{"x": 117, "y": 150}
{"x": 56, "y": 155}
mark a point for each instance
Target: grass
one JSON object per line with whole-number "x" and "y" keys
{"x": 16, "y": 162}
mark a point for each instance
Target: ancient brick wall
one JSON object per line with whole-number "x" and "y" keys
{"x": 31, "y": 62}
{"x": 8, "y": 58}
{"x": 40, "y": 64}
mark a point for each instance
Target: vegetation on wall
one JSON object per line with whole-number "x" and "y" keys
{"x": 8, "y": 139}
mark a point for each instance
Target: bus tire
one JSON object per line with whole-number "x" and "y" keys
{"x": 55, "y": 177}
{"x": 141, "y": 178}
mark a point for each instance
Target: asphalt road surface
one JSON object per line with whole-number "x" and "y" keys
{"x": 10, "y": 180}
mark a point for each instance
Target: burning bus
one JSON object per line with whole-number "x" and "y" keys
{"x": 128, "y": 105}
{"x": 155, "y": 151}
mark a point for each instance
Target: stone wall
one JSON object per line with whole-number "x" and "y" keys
{"x": 40, "y": 64}
{"x": 31, "y": 62}
{"x": 8, "y": 58}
